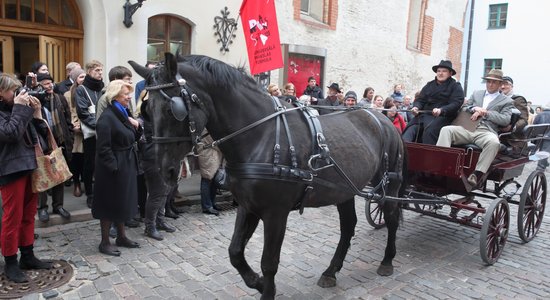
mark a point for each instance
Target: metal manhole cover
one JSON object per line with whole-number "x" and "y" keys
{"x": 39, "y": 281}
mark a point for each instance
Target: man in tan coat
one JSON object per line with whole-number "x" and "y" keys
{"x": 210, "y": 160}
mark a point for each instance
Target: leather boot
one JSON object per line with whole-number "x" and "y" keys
{"x": 169, "y": 213}
{"x": 12, "y": 270}
{"x": 77, "y": 190}
{"x": 28, "y": 261}
{"x": 152, "y": 232}
{"x": 162, "y": 225}
{"x": 89, "y": 200}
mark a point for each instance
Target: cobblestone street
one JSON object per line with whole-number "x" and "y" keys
{"x": 435, "y": 259}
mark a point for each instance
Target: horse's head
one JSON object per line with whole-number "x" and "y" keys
{"x": 173, "y": 112}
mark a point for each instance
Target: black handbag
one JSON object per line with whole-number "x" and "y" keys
{"x": 221, "y": 180}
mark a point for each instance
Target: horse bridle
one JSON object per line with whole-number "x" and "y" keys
{"x": 180, "y": 107}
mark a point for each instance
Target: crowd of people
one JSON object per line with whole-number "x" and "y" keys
{"x": 108, "y": 144}
{"x": 108, "y": 147}
{"x": 431, "y": 115}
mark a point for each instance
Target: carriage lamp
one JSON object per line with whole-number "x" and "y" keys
{"x": 129, "y": 11}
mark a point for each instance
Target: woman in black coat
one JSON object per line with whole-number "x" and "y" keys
{"x": 116, "y": 167}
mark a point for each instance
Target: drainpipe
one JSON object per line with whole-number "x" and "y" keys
{"x": 469, "y": 47}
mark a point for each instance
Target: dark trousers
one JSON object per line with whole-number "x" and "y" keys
{"x": 431, "y": 126}
{"x": 19, "y": 205}
{"x": 142, "y": 194}
{"x": 89, "y": 165}
{"x": 208, "y": 193}
{"x": 77, "y": 165}
{"x": 158, "y": 192}
{"x": 57, "y": 197}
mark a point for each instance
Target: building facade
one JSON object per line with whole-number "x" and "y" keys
{"x": 354, "y": 43}
{"x": 504, "y": 35}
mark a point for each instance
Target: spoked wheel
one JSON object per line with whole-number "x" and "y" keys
{"x": 494, "y": 231}
{"x": 531, "y": 206}
{"x": 375, "y": 214}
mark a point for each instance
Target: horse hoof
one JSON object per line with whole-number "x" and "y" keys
{"x": 385, "y": 270}
{"x": 326, "y": 282}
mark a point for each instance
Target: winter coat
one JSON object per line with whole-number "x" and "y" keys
{"x": 448, "y": 96}
{"x": 315, "y": 92}
{"x": 18, "y": 135}
{"x": 398, "y": 122}
{"x": 210, "y": 159}
{"x": 116, "y": 167}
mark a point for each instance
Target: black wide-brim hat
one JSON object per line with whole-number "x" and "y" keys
{"x": 444, "y": 64}
{"x": 334, "y": 86}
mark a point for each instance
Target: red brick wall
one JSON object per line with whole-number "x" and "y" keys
{"x": 455, "y": 48}
{"x": 330, "y": 14}
{"x": 427, "y": 33}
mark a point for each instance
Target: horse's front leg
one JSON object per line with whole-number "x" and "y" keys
{"x": 348, "y": 220}
{"x": 245, "y": 225}
{"x": 391, "y": 217}
{"x": 274, "y": 234}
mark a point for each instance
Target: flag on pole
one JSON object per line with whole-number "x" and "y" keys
{"x": 261, "y": 33}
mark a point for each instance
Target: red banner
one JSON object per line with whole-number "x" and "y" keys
{"x": 261, "y": 33}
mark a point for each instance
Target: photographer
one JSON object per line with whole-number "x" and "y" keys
{"x": 56, "y": 111}
{"x": 21, "y": 127}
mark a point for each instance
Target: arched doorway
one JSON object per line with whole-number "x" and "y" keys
{"x": 40, "y": 30}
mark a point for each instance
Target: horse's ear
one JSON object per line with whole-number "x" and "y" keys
{"x": 141, "y": 70}
{"x": 171, "y": 63}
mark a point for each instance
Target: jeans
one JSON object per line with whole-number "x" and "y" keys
{"x": 208, "y": 193}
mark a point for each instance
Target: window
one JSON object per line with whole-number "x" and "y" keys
{"x": 492, "y": 63}
{"x": 51, "y": 12}
{"x": 314, "y": 9}
{"x": 417, "y": 11}
{"x": 167, "y": 34}
{"x": 497, "y": 15}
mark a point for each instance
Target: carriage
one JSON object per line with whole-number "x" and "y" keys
{"x": 438, "y": 188}
{"x": 282, "y": 158}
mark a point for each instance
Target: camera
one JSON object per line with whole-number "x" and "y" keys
{"x": 39, "y": 94}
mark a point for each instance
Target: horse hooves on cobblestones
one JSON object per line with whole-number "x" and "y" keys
{"x": 326, "y": 282}
{"x": 385, "y": 270}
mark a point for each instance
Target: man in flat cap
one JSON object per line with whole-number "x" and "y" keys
{"x": 493, "y": 110}
{"x": 519, "y": 120}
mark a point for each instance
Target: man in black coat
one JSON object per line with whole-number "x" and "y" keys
{"x": 65, "y": 85}
{"x": 443, "y": 97}
{"x": 313, "y": 90}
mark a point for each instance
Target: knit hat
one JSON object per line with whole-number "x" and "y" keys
{"x": 75, "y": 73}
{"x": 351, "y": 94}
{"x": 43, "y": 76}
{"x": 508, "y": 78}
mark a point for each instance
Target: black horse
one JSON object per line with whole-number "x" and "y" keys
{"x": 224, "y": 99}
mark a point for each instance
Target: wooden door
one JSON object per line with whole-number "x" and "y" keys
{"x": 52, "y": 52}
{"x": 7, "y": 63}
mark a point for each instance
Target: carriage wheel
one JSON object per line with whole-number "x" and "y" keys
{"x": 531, "y": 206}
{"x": 375, "y": 214}
{"x": 494, "y": 231}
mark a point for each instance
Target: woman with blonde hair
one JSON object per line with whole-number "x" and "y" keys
{"x": 116, "y": 167}
{"x": 273, "y": 90}
{"x": 21, "y": 127}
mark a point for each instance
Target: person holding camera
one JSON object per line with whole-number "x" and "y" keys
{"x": 21, "y": 127}
{"x": 56, "y": 111}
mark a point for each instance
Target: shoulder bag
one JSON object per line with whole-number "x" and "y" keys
{"x": 87, "y": 131}
{"x": 52, "y": 169}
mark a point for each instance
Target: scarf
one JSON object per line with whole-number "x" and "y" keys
{"x": 121, "y": 108}
{"x": 93, "y": 84}
{"x": 54, "y": 118}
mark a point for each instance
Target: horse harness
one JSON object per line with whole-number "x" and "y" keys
{"x": 320, "y": 159}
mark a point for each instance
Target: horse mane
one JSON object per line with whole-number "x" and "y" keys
{"x": 216, "y": 72}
